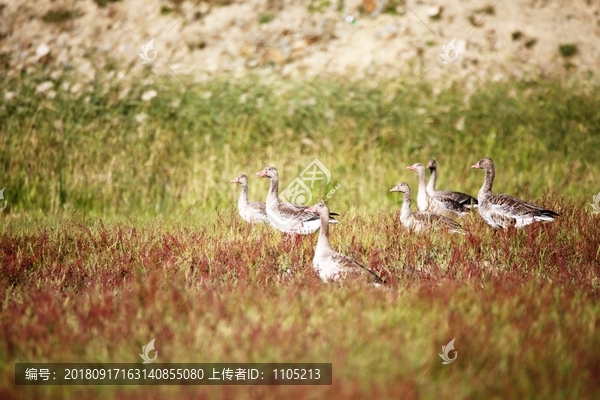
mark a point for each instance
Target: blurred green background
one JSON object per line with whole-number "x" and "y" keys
{"x": 167, "y": 148}
{"x": 103, "y": 155}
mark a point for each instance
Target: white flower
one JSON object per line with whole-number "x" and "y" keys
{"x": 149, "y": 95}
{"x": 44, "y": 87}
{"x": 140, "y": 117}
{"x": 76, "y": 88}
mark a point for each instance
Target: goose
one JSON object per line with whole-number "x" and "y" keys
{"x": 504, "y": 211}
{"x": 434, "y": 204}
{"x": 331, "y": 265}
{"x": 287, "y": 217}
{"x": 461, "y": 198}
{"x": 422, "y": 220}
{"x": 250, "y": 212}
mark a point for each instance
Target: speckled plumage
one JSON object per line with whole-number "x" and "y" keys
{"x": 463, "y": 199}
{"x": 504, "y": 211}
{"x": 420, "y": 221}
{"x": 331, "y": 265}
{"x": 286, "y": 217}
{"x": 435, "y": 204}
{"x": 252, "y": 212}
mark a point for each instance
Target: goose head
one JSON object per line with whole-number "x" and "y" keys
{"x": 401, "y": 187}
{"x": 268, "y": 172}
{"x": 241, "y": 179}
{"x": 418, "y": 168}
{"x": 484, "y": 163}
{"x": 432, "y": 164}
{"x": 319, "y": 208}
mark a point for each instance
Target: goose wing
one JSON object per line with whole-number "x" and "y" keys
{"x": 461, "y": 198}
{"x": 258, "y": 206}
{"x": 352, "y": 267}
{"x": 447, "y": 204}
{"x": 296, "y": 212}
{"x": 253, "y": 212}
{"x": 436, "y": 221}
{"x": 512, "y": 207}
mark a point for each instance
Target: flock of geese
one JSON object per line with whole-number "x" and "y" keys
{"x": 437, "y": 209}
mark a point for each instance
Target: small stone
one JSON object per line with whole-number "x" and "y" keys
{"x": 275, "y": 56}
{"x": 373, "y": 7}
{"x": 435, "y": 12}
{"x": 351, "y": 20}
{"x": 387, "y": 32}
{"x": 42, "y": 51}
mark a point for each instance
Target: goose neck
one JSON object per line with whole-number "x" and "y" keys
{"x": 243, "y": 195}
{"x": 273, "y": 197}
{"x": 405, "y": 210}
{"x": 323, "y": 242}
{"x": 488, "y": 182}
{"x": 432, "y": 181}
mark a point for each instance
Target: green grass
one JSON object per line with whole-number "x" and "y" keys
{"x": 87, "y": 153}
{"x": 104, "y": 3}
{"x": 265, "y": 18}
{"x": 119, "y": 231}
{"x": 59, "y": 15}
{"x": 567, "y": 50}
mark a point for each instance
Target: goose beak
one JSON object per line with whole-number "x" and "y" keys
{"x": 394, "y": 189}
{"x": 429, "y": 165}
{"x": 311, "y": 209}
{"x": 234, "y": 180}
{"x": 476, "y": 165}
{"x": 412, "y": 168}
{"x": 261, "y": 173}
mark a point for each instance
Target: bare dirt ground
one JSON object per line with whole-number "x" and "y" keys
{"x": 496, "y": 40}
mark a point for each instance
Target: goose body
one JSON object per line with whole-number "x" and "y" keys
{"x": 434, "y": 203}
{"x": 420, "y": 221}
{"x": 463, "y": 199}
{"x": 254, "y": 212}
{"x": 286, "y": 217}
{"x": 331, "y": 265}
{"x": 504, "y": 211}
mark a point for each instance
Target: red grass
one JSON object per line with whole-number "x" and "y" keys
{"x": 522, "y": 305}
